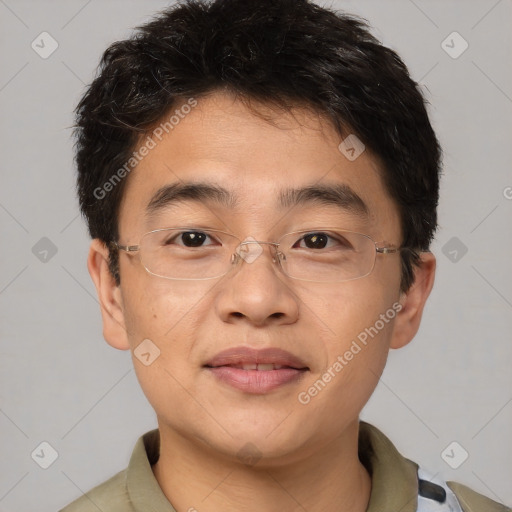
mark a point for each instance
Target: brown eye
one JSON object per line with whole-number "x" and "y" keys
{"x": 316, "y": 240}
{"x": 188, "y": 239}
{"x": 322, "y": 240}
{"x": 193, "y": 238}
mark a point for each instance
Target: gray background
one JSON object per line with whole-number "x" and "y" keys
{"x": 61, "y": 383}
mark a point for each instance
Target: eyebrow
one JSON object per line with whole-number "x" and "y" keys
{"x": 338, "y": 195}
{"x": 179, "y": 192}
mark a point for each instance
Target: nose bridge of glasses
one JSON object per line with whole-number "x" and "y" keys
{"x": 250, "y": 249}
{"x": 257, "y": 242}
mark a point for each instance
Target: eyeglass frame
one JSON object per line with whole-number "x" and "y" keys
{"x": 235, "y": 257}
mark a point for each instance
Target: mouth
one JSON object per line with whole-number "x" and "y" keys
{"x": 261, "y": 367}
{"x": 256, "y": 371}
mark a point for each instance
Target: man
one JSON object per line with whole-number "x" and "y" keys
{"x": 260, "y": 180}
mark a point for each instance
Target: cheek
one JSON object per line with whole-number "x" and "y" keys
{"x": 161, "y": 321}
{"x": 348, "y": 309}
{"x": 161, "y": 309}
{"x": 360, "y": 317}
{"x": 161, "y": 318}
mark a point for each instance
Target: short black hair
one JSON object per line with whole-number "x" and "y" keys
{"x": 281, "y": 52}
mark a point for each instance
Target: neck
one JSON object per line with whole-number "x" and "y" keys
{"x": 330, "y": 480}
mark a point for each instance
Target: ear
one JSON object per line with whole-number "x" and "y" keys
{"x": 109, "y": 295}
{"x": 413, "y": 301}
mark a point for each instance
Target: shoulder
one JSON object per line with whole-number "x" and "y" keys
{"x": 440, "y": 496}
{"x": 110, "y": 496}
{"x": 395, "y": 479}
{"x": 471, "y": 501}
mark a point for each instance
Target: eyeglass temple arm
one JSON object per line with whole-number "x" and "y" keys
{"x": 126, "y": 248}
{"x": 388, "y": 250}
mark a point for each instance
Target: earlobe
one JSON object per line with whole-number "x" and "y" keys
{"x": 413, "y": 301}
{"x": 109, "y": 296}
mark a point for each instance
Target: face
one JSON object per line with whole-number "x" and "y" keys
{"x": 256, "y": 312}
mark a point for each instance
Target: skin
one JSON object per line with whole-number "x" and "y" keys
{"x": 308, "y": 453}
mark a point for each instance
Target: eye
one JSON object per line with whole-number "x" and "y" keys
{"x": 322, "y": 240}
{"x": 188, "y": 239}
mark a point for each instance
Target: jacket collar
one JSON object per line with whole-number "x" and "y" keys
{"x": 394, "y": 478}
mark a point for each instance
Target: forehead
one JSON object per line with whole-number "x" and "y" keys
{"x": 259, "y": 165}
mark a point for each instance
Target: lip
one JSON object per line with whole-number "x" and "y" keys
{"x": 225, "y": 366}
{"x": 248, "y": 355}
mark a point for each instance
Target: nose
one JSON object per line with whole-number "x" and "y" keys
{"x": 256, "y": 291}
